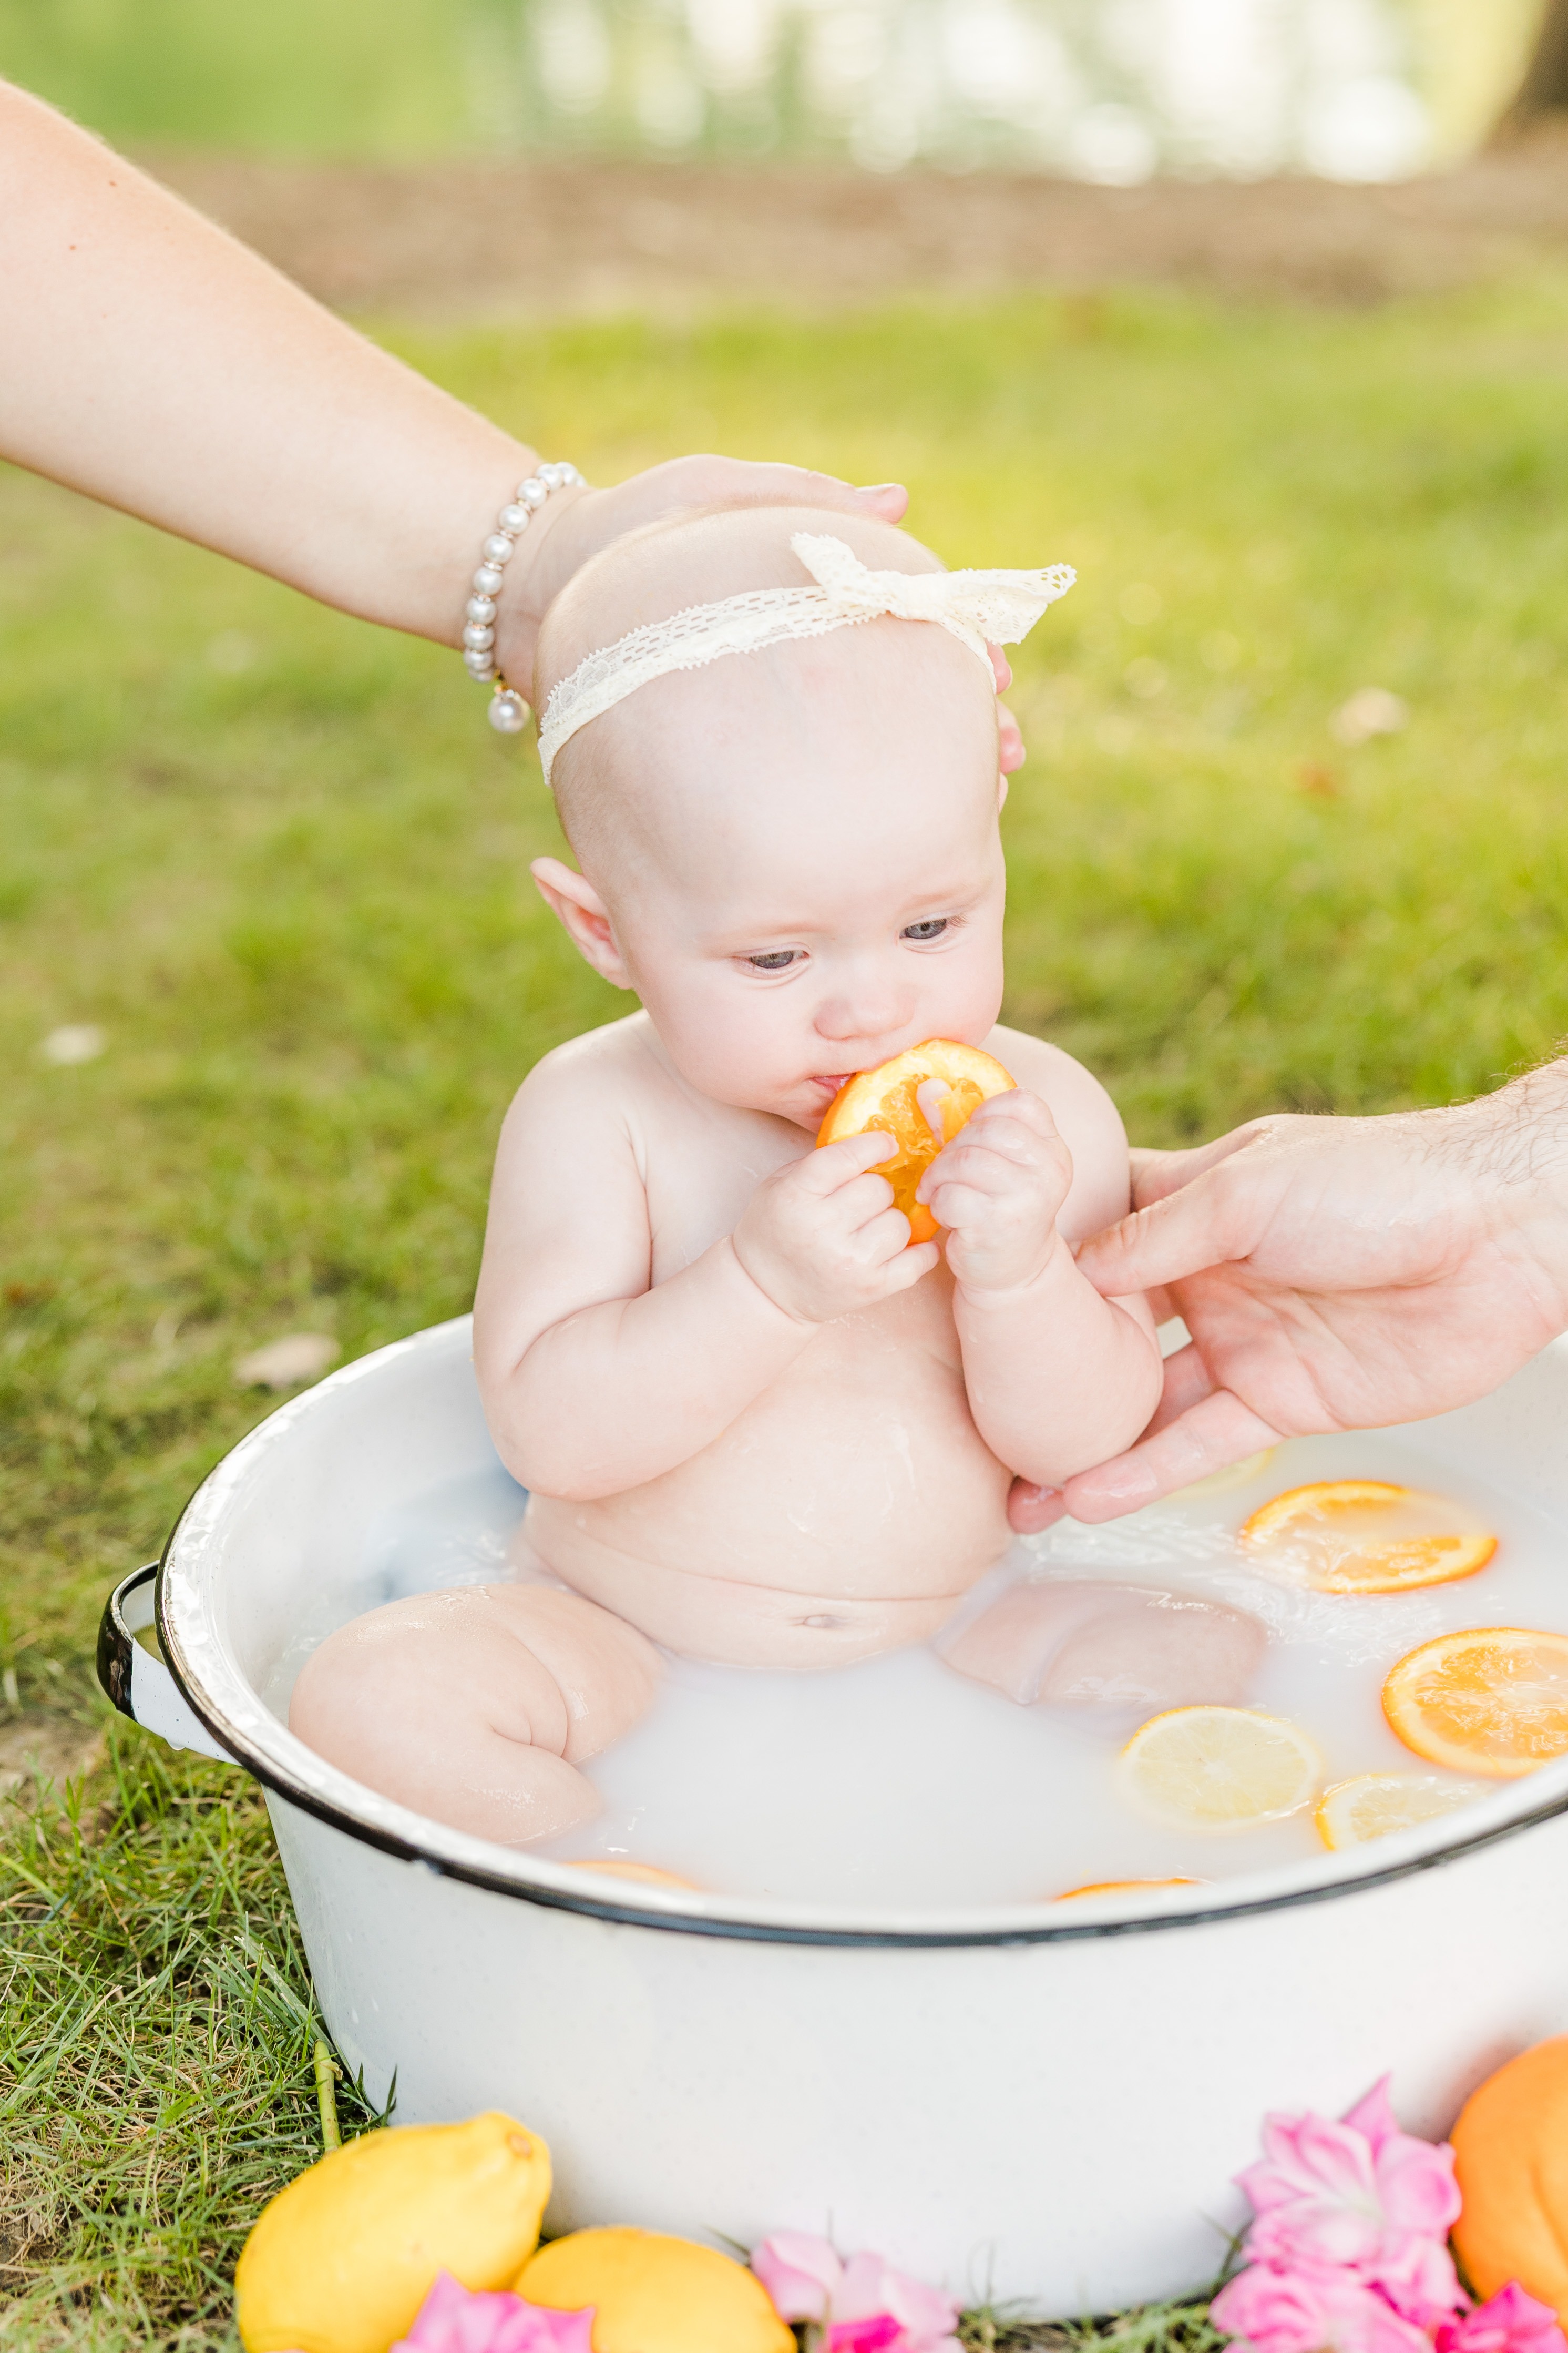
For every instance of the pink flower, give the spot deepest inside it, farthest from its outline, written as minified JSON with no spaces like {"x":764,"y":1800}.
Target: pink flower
{"x":1360,"y":2196}
{"x":862,"y":2306}
{"x":1508,"y":2322}
{"x":458,"y":2320}
{"x":1326,"y":2311}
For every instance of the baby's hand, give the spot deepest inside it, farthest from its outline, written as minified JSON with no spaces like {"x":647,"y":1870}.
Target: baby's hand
{"x":998,"y":1187}
{"x":822,"y":1237}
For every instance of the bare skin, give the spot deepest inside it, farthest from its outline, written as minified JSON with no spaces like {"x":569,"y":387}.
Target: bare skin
{"x":1337,"y":1274}
{"x":156,"y":364}
{"x":758,"y":1426}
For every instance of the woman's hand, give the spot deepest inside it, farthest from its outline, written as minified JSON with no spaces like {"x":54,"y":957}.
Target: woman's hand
{"x":576,"y":524}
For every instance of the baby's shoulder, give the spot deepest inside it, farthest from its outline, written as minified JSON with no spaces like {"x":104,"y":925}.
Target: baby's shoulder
{"x":599,"y":1072}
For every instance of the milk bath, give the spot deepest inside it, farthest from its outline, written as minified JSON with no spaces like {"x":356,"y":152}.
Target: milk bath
{"x":898,"y":1782}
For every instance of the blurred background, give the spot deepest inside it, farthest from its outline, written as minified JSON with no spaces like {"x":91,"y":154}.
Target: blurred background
{"x":1254,"y":311}
{"x":1102,"y":90}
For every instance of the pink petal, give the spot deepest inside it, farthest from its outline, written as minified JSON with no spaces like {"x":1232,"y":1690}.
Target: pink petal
{"x":1373,"y":2116}
{"x":1305,"y":2311}
{"x":879,"y":2333}
{"x":1509,"y":2322}
{"x":1415,"y":2184}
{"x":456,"y":2319}
{"x":799,"y":2271}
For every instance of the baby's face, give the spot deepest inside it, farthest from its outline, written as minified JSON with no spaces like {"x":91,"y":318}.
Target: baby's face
{"x":811,"y":876}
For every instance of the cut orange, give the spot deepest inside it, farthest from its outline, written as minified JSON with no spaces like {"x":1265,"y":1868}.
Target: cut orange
{"x":1220,"y":1769}
{"x":1342,"y":1563}
{"x":1125,"y":1887}
{"x":1489,"y":1699}
{"x":615,"y":1869}
{"x":1374,"y":1804}
{"x":941,"y":1083}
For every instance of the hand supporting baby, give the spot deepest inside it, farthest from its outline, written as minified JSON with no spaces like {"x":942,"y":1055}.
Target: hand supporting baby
{"x":821,"y":1237}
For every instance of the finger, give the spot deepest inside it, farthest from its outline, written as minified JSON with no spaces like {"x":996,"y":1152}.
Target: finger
{"x":883,"y":1234}
{"x":1032,"y":1508}
{"x":1157,"y":1175}
{"x":957,"y":1207}
{"x":1205,"y":1224}
{"x":890,"y":500}
{"x":916,"y":1259}
{"x":1001,"y":668}
{"x":980,"y":1173}
{"x":1188,"y":1383}
{"x":833,"y":1165}
{"x":1215,"y":1433}
{"x":1011,"y":754}
{"x":737,"y":481}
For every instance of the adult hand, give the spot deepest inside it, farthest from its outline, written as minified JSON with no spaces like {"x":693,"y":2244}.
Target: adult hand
{"x":1339,"y":1274}
{"x":570,"y":529}
{"x":574,"y":525}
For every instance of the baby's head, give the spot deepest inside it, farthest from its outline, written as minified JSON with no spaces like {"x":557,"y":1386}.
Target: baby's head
{"x":792,"y":854}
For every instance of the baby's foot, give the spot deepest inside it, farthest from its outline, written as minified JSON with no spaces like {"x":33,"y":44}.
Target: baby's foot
{"x":476,"y":1707}
{"x":1089,"y":1644}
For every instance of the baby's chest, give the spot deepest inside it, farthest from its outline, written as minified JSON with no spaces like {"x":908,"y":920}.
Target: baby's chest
{"x":701,"y":1185}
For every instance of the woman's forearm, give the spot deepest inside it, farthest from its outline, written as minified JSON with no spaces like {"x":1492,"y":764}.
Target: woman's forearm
{"x":156,"y":364}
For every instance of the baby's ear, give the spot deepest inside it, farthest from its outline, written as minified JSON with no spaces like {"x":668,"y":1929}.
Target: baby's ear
{"x":585,"y":917}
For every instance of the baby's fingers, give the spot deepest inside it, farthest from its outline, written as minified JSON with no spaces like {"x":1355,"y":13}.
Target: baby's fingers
{"x":832,"y":1164}
{"x":910,"y":1263}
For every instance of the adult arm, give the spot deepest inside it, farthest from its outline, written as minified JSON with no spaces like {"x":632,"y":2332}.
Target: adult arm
{"x":156,"y":364}
{"x":1340,"y":1274}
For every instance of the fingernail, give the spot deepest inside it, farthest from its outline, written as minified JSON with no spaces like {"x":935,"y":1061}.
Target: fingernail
{"x":877,"y":490}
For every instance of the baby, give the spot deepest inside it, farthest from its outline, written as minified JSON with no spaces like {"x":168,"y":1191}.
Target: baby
{"x":758,"y":1424}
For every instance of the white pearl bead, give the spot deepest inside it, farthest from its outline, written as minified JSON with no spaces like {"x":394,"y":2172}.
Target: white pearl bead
{"x":482,"y":608}
{"x":570,"y":475}
{"x":480,"y":661}
{"x":551,"y":477}
{"x":509,"y":714}
{"x":488,"y":578}
{"x":479,"y":637}
{"x":514,"y":519}
{"x":497,"y":549}
{"x":531,"y":493}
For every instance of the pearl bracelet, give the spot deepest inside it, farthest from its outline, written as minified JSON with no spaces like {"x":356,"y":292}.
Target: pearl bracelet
{"x":509,"y":711}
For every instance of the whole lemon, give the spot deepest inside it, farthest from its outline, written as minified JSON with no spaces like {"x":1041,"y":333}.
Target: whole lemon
{"x":341,"y":2260}
{"x":654,"y":2295}
{"x":1510,"y":2160}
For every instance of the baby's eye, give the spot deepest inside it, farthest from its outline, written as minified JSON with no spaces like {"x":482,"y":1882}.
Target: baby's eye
{"x":775,"y":960}
{"x":932,"y":928}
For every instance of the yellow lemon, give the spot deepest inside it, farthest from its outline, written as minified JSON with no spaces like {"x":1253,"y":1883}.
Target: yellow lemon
{"x":1220,"y":1769}
{"x":1374,"y":1804}
{"x":654,"y":2295}
{"x":341,"y":2260}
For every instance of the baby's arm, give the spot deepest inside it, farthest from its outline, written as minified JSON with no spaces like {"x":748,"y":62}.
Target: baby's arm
{"x":1055,"y":1373}
{"x":593,"y":1381}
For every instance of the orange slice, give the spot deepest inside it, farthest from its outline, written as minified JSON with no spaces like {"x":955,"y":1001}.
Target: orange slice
{"x":1220,"y":1769}
{"x":891,"y":1098}
{"x":1374,"y":1804}
{"x":1489,"y":1699}
{"x":1125,"y":1887}
{"x":1398,"y":1565}
{"x":614,"y":1869}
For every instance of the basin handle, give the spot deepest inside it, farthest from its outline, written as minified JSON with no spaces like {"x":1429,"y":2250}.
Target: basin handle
{"x":139,"y":1684}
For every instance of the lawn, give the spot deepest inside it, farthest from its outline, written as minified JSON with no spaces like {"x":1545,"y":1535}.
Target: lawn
{"x":281,"y":864}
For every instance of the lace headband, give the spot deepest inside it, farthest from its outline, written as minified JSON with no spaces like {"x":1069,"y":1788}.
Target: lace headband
{"x":976,"y":607}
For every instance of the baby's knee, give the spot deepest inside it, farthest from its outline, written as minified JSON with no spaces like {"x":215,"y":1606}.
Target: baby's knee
{"x":475,"y":1706}
{"x":1082,"y":1643}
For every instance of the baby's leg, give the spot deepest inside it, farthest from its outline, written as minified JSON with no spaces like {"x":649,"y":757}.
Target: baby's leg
{"x":476,"y":1707}
{"x":1081,"y":1642}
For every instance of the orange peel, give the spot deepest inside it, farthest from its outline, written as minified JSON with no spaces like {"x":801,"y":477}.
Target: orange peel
{"x":1400,"y":1565}
{"x":1486,"y":1699}
{"x":888,"y":1099}
{"x":614,"y":1867}
{"x":1125,"y":1887}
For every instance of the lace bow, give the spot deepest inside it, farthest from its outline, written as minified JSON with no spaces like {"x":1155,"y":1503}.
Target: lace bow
{"x":976,"y":607}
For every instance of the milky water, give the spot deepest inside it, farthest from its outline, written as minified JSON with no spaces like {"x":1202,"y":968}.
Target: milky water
{"x":898,"y":1782}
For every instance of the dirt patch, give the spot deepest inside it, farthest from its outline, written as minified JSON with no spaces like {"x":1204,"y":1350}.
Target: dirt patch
{"x":40,"y":1749}
{"x":495,"y":240}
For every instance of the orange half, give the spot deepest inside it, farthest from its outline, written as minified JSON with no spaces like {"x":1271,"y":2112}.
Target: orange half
{"x":1489,"y":1699}
{"x":1400,"y":1566}
{"x":889,"y":1098}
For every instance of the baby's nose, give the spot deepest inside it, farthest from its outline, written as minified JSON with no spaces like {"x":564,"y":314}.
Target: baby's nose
{"x":870,"y":1015}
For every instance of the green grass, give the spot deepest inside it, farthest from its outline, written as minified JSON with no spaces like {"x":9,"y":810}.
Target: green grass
{"x":282,"y":862}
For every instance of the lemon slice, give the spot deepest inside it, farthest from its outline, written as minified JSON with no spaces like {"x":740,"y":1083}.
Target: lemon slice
{"x":615,"y":1868}
{"x":1488,"y":1699}
{"x":1374,"y":1804}
{"x":1219,"y":1769}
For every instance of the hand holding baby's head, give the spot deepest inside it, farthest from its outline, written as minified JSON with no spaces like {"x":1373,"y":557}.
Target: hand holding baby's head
{"x":792,"y":853}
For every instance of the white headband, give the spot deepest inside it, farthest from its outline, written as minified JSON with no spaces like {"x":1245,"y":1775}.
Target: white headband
{"x":976,"y":607}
